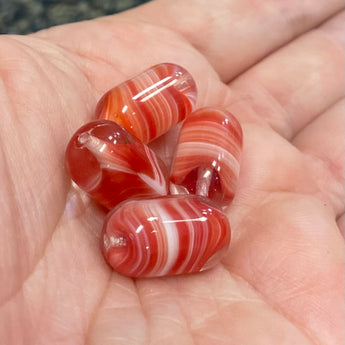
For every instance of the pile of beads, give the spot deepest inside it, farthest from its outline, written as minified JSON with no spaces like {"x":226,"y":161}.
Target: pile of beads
{"x":162,"y":222}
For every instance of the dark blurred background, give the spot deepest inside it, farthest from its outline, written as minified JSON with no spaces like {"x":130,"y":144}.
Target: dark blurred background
{"x":26,"y":16}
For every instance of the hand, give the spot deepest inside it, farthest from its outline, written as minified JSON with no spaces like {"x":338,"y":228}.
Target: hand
{"x":280,"y":70}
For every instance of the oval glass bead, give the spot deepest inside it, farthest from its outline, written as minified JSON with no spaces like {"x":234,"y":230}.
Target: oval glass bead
{"x":165,"y":236}
{"x":207,"y":156}
{"x":151,"y":103}
{"x":111,"y":165}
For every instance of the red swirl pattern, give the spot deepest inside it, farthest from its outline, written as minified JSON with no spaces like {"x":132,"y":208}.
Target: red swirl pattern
{"x":151,"y":103}
{"x":208,"y":153}
{"x":165,"y":236}
{"x":112,"y":166}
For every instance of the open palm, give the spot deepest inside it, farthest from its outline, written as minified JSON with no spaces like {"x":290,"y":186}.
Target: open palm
{"x":278,"y":66}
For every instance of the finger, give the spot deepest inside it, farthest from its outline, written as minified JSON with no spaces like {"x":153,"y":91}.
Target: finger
{"x":234,"y":35}
{"x":322,"y":143}
{"x":291,"y":87}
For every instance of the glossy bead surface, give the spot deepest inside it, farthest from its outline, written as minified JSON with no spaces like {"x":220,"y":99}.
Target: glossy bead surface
{"x":207,"y":157}
{"x":165,"y":236}
{"x":111,"y":165}
{"x":151,"y":103}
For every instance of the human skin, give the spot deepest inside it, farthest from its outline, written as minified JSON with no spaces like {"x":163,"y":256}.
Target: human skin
{"x":278,"y":66}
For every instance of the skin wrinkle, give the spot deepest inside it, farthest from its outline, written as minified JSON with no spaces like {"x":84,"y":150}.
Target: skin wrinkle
{"x":15,"y":206}
{"x":27,"y":330}
{"x":314,"y":195}
{"x":45,"y":299}
{"x":70,"y":56}
{"x":80,"y":215}
{"x":143,"y":310}
{"x":292,"y":139}
{"x":330,"y":167}
{"x":36,"y":60}
{"x":21,"y":226}
{"x":74,"y":67}
{"x":164,"y":338}
{"x":292,"y":321}
{"x":101,"y":306}
{"x":266,"y":301}
{"x":41,"y":64}
{"x":89,"y":56}
{"x":47,"y":276}
{"x":85,"y":71}
{"x":180,"y":309}
{"x":12,"y":110}
{"x":39,"y":259}
{"x":188,"y":327}
{"x":285,"y":129}
{"x":96,"y":310}
{"x":192,"y":328}
{"x":221,"y":308}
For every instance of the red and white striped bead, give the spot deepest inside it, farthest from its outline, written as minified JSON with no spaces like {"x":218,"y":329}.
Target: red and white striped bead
{"x":111,"y":165}
{"x":151,"y":103}
{"x":165,"y":236}
{"x":206,"y":160}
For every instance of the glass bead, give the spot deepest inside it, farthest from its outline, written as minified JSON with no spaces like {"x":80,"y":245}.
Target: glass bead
{"x":207,"y":157}
{"x":151,"y":103}
{"x":111,"y":165}
{"x":165,"y":236}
